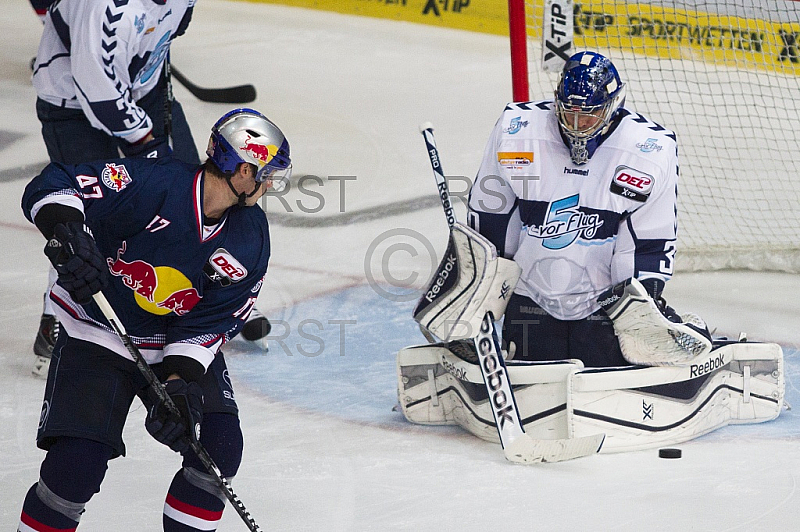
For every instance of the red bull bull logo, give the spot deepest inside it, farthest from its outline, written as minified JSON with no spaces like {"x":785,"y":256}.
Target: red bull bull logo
{"x":138,"y":275}
{"x":259,"y":151}
{"x":115,"y":176}
{"x":157,"y":289}
{"x":181,"y":301}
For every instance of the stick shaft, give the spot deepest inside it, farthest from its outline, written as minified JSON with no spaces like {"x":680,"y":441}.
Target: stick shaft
{"x":441,"y":181}
{"x":161,"y":393}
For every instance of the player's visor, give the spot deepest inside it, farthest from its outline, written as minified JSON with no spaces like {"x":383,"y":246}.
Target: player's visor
{"x":274,"y":179}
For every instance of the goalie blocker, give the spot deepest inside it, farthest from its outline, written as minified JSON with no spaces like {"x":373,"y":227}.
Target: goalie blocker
{"x":636,"y":407}
{"x":470,"y":281}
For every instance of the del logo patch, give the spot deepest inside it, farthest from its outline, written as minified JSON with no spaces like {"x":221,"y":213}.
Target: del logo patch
{"x":115,"y":176}
{"x":514,"y":159}
{"x":226,"y":265}
{"x":632,"y":184}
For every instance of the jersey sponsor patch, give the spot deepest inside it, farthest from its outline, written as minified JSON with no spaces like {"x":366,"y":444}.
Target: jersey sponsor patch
{"x":514,"y":159}
{"x":116,"y":177}
{"x":632,"y":184}
{"x":649,"y":145}
{"x":227,"y":266}
{"x":515,"y":125}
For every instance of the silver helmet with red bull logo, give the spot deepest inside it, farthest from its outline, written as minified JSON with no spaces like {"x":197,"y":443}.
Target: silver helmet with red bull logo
{"x":246,"y":136}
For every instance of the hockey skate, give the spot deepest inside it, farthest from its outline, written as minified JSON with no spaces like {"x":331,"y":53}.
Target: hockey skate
{"x":44,"y":343}
{"x":256,"y":327}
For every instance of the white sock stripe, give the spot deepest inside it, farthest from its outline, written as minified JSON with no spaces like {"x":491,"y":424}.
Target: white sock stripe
{"x":189,"y":520}
{"x":24,"y":528}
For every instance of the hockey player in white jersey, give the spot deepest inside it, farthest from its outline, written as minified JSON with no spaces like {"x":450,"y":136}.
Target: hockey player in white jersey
{"x":582,"y":193}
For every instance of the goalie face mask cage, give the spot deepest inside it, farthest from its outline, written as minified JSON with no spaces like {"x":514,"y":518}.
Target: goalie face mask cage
{"x":588,"y":96}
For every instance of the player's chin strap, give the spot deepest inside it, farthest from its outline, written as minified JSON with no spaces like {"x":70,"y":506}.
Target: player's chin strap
{"x":243,"y":196}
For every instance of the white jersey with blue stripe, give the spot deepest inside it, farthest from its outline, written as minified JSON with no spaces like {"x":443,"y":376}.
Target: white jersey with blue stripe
{"x":576,"y":230}
{"x":104,"y":55}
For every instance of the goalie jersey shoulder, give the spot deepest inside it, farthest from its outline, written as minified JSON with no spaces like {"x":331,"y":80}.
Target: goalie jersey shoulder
{"x":525,"y":119}
{"x":638,"y":134}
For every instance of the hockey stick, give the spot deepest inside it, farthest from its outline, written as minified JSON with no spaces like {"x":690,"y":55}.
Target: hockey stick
{"x":237,"y":94}
{"x":517,"y":446}
{"x":168,"y":99}
{"x":159,"y":390}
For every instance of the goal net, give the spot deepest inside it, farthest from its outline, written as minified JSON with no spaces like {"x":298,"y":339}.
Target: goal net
{"x":725,"y":76}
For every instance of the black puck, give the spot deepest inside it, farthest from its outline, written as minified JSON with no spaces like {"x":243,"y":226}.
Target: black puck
{"x":669,"y":453}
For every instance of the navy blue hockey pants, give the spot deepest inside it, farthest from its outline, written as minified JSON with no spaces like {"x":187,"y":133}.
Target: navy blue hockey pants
{"x":88,"y":396}
{"x":539,"y":336}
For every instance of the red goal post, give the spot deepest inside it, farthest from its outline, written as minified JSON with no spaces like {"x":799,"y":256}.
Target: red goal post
{"x":725,"y":79}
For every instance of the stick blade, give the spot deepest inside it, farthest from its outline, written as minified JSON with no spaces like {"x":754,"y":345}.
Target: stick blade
{"x":526,"y":450}
{"x":237,"y":94}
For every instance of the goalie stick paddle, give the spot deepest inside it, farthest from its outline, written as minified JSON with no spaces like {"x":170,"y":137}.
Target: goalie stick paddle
{"x":517,"y":446}
{"x":237,"y":94}
{"x":158,"y":388}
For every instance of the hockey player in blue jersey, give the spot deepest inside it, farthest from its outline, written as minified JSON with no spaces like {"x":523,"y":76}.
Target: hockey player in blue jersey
{"x":180,"y":253}
{"x":101,"y":85}
{"x":101,"y":89}
{"x":582,"y":193}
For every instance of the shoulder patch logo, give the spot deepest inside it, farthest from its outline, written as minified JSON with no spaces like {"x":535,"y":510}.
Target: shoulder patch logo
{"x":515,"y":125}
{"x":632,"y":184}
{"x":139,"y":22}
{"x":116,"y":177}
{"x":649,"y":145}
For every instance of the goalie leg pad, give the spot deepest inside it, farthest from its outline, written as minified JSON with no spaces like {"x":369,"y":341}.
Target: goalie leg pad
{"x":645,"y":407}
{"x":470,"y":281}
{"x":645,"y":335}
{"x":441,"y":384}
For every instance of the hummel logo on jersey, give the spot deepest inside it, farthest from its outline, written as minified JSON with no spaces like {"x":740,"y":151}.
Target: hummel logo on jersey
{"x":577,"y":171}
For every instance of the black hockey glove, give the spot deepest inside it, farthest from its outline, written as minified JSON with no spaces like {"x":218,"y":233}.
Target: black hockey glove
{"x":155,"y":149}
{"x":82,"y":270}
{"x":177,"y":432}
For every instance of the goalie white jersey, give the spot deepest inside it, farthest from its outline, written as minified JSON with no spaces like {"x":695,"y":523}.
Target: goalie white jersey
{"x":104,"y":55}
{"x":576,"y":230}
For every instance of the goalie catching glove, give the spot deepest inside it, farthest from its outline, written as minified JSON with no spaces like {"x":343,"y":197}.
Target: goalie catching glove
{"x":82,"y":270}
{"x":650,"y":333}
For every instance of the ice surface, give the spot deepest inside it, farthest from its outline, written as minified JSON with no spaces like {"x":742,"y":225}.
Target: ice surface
{"x":324,"y":450}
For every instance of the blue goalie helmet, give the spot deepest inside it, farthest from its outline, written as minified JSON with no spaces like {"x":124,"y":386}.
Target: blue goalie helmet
{"x":588,"y":97}
{"x":247,"y":136}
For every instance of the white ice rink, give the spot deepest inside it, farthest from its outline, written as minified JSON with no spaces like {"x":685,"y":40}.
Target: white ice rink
{"x":324,"y":450}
